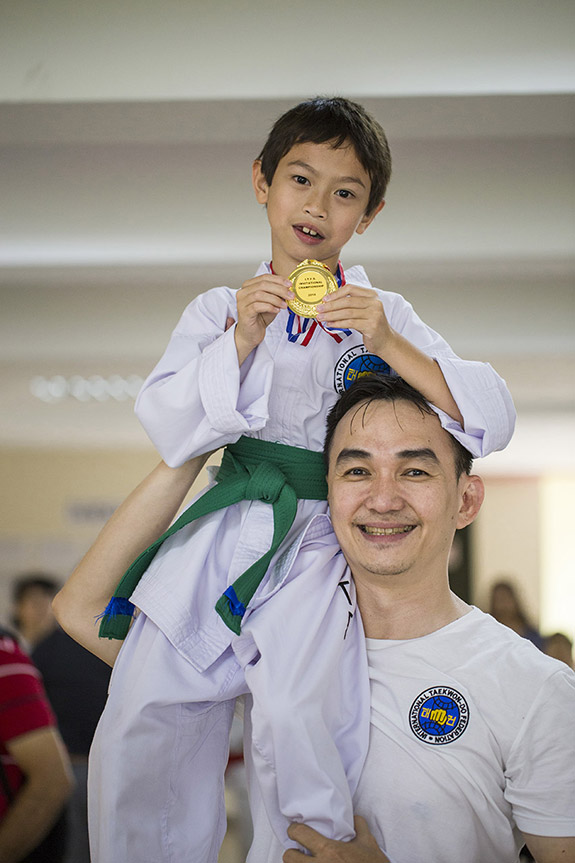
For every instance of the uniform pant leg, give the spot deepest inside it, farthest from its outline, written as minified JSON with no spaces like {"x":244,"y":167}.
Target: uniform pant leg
{"x":156,"y":777}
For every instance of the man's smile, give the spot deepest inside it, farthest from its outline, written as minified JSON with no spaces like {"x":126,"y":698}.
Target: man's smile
{"x":385,"y":531}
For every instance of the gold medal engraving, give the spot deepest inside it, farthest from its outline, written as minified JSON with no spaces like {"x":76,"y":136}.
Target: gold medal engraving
{"x":311,"y":281}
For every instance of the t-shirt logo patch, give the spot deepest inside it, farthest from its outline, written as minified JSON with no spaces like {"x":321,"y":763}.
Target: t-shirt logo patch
{"x":439,"y":715}
{"x":355,"y":364}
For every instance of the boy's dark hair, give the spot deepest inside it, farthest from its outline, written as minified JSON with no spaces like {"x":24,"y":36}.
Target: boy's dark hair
{"x":338,"y":121}
{"x":373,"y":388}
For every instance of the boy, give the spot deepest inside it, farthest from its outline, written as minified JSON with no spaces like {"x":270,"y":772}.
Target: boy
{"x":264,"y":385}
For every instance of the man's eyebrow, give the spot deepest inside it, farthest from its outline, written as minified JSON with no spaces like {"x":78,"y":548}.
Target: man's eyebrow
{"x":299,"y":163}
{"x":348,"y":454}
{"x":425,"y":454}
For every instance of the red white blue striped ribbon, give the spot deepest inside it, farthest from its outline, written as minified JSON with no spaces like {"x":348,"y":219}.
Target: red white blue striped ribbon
{"x":298,"y":327}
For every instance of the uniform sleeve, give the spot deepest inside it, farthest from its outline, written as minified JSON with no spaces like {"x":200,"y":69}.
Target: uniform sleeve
{"x":197,"y":398}
{"x":540,"y":774}
{"x":480,"y":393}
{"x":310,"y":691}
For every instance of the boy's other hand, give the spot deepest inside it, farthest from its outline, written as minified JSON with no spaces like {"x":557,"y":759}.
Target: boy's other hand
{"x":355,"y":308}
{"x":259,"y":300}
{"x":362,"y":849}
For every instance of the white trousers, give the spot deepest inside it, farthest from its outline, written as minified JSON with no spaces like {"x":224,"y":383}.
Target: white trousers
{"x":160,"y":751}
{"x":142,"y":812}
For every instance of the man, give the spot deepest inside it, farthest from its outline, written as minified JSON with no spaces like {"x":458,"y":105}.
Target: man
{"x":472,"y":751}
{"x":462,"y":772}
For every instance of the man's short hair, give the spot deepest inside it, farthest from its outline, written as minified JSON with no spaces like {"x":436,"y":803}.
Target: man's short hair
{"x":388,"y":388}
{"x":337,"y":121}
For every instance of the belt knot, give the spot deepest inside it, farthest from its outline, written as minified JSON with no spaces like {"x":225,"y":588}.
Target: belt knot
{"x":265,"y":483}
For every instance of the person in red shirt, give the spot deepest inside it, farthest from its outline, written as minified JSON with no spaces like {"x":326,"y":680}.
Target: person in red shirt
{"x":35,"y":773}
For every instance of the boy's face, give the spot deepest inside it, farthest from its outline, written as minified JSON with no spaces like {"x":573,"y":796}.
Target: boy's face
{"x":315,"y":203}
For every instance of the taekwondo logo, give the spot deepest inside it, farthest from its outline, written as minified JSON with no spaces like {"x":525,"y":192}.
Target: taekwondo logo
{"x":355,"y":364}
{"x":439,"y":715}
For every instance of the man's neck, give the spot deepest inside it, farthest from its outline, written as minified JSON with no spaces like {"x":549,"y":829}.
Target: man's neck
{"x":407,"y":611}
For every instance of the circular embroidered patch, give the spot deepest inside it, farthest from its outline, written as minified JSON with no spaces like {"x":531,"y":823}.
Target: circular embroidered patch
{"x":439,"y":715}
{"x":355,"y":364}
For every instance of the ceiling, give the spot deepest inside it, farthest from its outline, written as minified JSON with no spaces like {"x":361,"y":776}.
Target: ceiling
{"x":124,"y":195}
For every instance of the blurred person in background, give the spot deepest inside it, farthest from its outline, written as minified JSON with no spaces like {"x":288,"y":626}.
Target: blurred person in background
{"x":560,"y":646}
{"x":32,"y":614}
{"x":76,"y":683}
{"x":35,"y":772}
{"x":505,"y":606}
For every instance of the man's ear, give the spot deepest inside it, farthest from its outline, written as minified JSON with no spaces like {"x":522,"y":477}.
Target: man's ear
{"x":472,"y":494}
{"x":259,"y":183}
{"x":367,"y":220}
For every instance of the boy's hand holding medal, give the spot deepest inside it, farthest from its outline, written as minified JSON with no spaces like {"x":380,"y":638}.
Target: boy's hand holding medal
{"x":359,"y":309}
{"x":315,"y":294}
{"x":259,"y":300}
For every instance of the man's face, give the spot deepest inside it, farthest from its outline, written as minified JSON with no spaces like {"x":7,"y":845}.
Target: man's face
{"x":315,"y":203}
{"x":394,"y":498}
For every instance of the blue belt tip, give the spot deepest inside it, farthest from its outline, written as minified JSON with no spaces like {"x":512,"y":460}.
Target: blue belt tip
{"x":118,"y":606}
{"x":236,"y":607}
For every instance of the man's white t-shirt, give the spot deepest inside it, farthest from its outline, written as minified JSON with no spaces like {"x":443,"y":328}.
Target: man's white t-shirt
{"x":472,"y":740}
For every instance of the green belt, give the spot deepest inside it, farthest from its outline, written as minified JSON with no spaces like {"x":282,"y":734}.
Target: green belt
{"x":250,"y":470}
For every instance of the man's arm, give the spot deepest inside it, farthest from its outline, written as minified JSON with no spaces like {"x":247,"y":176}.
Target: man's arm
{"x":145,"y":514}
{"x":362,"y":849}
{"x":48,"y":783}
{"x":551,"y":849}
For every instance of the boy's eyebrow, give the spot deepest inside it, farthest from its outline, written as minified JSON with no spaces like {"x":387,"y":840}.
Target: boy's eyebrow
{"x":299,"y":163}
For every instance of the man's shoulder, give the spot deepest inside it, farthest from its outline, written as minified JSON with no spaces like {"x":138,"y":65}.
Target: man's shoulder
{"x":516,"y":659}
{"x":501,"y":675}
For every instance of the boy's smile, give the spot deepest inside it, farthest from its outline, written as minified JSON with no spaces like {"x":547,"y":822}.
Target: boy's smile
{"x":315,"y":203}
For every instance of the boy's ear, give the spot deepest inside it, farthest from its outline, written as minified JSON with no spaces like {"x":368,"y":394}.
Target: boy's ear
{"x":368,"y":219}
{"x":259,"y":183}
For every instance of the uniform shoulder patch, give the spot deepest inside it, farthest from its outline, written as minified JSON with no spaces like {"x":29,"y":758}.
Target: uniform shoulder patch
{"x":439,"y":715}
{"x":355,"y":364}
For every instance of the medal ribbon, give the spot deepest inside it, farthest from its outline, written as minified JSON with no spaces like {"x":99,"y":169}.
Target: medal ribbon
{"x":298,"y":327}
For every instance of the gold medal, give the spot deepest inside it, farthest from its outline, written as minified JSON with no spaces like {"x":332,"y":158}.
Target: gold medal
{"x":311,"y":281}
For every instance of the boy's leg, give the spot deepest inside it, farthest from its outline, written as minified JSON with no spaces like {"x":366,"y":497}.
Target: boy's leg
{"x":156,"y":779}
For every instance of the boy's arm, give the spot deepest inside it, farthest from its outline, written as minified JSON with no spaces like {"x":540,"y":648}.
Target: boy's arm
{"x":197,"y":398}
{"x":259,"y":300}
{"x":361,"y":309}
{"x":145,"y":514}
